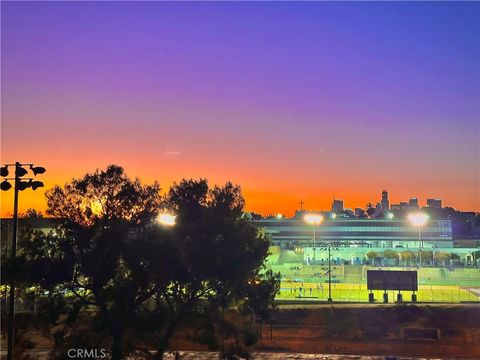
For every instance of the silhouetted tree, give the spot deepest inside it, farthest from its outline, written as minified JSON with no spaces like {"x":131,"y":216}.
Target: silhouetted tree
{"x":25,"y":271}
{"x":104,"y":215}
{"x":370,"y":210}
{"x":144,"y":279}
{"x":214,"y":254}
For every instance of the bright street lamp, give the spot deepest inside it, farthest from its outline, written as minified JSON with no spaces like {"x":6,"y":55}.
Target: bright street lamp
{"x":313,"y":219}
{"x":419,"y":219}
{"x":166,"y":219}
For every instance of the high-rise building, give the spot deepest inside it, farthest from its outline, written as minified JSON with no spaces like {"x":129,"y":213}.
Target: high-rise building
{"x":385,"y":203}
{"x":413,"y":204}
{"x":337,"y":206}
{"x":403,"y":205}
{"x":378,"y":210}
{"x":434,"y":203}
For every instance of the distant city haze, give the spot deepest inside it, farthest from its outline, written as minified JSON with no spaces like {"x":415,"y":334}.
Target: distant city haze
{"x":292,"y":101}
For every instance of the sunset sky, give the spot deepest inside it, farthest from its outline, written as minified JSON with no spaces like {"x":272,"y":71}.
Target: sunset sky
{"x":293,"y":101}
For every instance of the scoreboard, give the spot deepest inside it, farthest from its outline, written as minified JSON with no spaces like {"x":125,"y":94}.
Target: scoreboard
{"x":392,"y":280}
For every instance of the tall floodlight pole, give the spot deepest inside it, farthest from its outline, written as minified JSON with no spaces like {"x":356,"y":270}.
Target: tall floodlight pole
{"x":11,"y":299}
{"x":315,"y":220}
{"x":19,"y":185}
{"x":419,"y":220}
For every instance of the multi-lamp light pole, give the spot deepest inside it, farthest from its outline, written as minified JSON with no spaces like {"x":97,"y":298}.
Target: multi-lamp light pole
{"x":20,"y":184}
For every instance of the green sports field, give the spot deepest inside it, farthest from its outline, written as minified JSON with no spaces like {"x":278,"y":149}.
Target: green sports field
{"x":359,"y":293}
{"x":349,"y":282}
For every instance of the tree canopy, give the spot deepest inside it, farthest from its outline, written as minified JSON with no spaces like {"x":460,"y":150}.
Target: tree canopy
{"x":218,"y":256}
{"x":142,"y":279}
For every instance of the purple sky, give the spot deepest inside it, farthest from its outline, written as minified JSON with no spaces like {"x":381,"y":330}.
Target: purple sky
{"x":290,"y":100}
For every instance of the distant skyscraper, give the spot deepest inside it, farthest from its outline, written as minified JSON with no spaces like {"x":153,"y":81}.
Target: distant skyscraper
{"x":434,"y":203}
{"x":378,"y":210}
{"x":385,"y":203}
{"x":337,"y":206}
{"x":413,"y":204}
{"x":403,"y":205}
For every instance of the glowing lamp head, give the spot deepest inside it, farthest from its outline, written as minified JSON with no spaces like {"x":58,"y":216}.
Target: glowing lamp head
{"x":279,"y":216}
{"x":390,"y":215}
{"x":313,"y":219}
{"x":166,"y":219}
{"x":418,"y":219}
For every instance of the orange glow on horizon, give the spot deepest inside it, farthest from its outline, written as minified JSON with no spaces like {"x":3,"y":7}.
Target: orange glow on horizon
{"x":263,"y":195}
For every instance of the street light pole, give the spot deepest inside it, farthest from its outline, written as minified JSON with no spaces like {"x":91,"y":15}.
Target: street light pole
{"x":419,"y":219}
{"x":314,"y":219}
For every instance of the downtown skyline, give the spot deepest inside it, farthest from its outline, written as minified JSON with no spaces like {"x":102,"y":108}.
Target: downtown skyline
{"x":292,"y":101}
